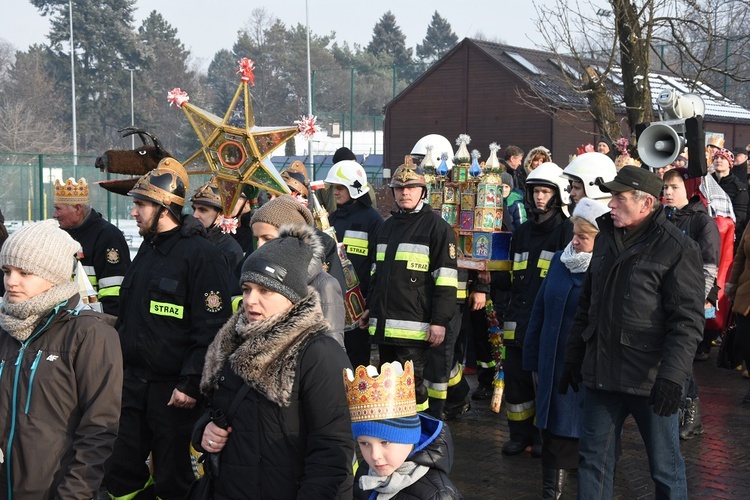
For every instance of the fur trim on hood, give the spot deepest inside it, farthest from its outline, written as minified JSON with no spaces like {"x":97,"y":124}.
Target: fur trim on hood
{"x":265,"y":353}
{"x":307,"y":235}
{"x":532,"y":153}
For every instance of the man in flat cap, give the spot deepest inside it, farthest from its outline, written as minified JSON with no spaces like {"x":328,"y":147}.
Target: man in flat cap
{"x":638,"y":323}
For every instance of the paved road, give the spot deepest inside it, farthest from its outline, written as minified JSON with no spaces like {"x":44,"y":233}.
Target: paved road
{"x":718,"y":462}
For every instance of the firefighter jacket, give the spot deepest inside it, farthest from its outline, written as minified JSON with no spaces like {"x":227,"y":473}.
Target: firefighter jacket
{"x":532,"y":248}
{"x":106,"y":257}
{"x":357,"y":227}
{"x":174,"y":299}
{"x":415,"y":278}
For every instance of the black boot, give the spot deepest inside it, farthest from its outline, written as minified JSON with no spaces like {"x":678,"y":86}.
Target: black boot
{"x":553,"y":483}
{"x":691,"y":424}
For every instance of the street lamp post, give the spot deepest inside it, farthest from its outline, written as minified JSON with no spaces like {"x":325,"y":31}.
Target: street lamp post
{"x":311,"y":159}
{"x":73,"y":84}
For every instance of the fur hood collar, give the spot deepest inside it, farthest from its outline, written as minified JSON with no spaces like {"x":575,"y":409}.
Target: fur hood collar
{"x":265,"y":353}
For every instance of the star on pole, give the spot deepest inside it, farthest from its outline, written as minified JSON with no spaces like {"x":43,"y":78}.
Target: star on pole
{"x":234,"y":150}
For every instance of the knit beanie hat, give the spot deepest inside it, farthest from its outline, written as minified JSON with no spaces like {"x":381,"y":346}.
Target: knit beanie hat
{"x":383,"y":405}
{"x":285,"y":209}
{"x":43,"y":249}
{"x":589,"y":210}
{"x":726,"y":154}
{"x":280,"y":265}
{"x":342,"y":154}
{"x":507,"y":179}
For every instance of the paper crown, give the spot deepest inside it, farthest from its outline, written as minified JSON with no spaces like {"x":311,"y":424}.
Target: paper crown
{"x":71,"y":193}
{"x":377,"y":397}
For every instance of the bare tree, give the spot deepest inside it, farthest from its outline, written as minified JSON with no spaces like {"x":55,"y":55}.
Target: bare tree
{"x":624,"y":39}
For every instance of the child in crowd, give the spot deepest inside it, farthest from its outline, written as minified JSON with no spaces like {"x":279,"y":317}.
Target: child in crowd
{"x":407,"y":455}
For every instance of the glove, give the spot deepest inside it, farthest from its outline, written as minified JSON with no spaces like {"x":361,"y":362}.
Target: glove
{"x":571,"y":376}
{"x":665,"y":396}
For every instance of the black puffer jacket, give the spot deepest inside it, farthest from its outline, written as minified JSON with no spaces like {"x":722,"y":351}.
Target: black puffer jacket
{"x":434,"y":450}
{"x":640,"y":314}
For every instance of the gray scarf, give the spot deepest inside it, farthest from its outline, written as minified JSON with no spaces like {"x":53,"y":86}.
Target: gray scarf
{"x":575,"y":262}
{"x":20,"y":319}
{"x":388,"y":486}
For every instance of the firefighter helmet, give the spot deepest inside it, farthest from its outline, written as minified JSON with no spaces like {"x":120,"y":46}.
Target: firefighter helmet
{"x":408,"y":175}
{"x":350,"y":174}
{"x":587,"y":168}
{"x":550,"y":175}
{"x":439,"y":145}
{"x":166,"y":185}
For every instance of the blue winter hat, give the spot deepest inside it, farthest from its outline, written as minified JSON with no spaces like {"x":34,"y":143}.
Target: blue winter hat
{"x":383,"y":405}
{"x":405,"y":430}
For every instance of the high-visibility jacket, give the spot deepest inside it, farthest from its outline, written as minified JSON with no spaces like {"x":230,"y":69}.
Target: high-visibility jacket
{"x":106,"y":258}
{"x":415,"y":279}
{"x":532,"y":248}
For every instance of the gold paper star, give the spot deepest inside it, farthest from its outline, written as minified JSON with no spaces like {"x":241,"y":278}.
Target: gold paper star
{"x":234,"y":150}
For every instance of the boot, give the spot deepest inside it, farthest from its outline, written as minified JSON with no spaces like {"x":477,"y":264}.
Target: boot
{"x":691,"y":422}
{"x":553,"y":483}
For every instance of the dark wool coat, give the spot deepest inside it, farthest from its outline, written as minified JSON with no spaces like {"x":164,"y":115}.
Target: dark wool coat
{"x":434,"y":450}
{"x":640,"y":315}
{"x":544,"y":349}
{"x":303,"y":449}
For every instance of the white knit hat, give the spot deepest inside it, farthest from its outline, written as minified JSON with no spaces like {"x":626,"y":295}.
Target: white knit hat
{"x":43,"y":249}
{"x":589,"y":210}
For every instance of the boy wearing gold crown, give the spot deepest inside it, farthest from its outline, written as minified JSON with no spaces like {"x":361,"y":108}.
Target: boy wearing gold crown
{"x":408,"y":455}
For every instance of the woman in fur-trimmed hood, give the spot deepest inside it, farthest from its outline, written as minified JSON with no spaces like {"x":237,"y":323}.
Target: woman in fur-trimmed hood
{"x":536,"y":157}
{"x":291,"y":429}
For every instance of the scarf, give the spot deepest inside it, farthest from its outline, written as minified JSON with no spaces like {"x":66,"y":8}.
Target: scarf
{"x":20,"y":319}
{"x":264,"y":353}
{"x":576,"y":262}
{"x":388,"y":486}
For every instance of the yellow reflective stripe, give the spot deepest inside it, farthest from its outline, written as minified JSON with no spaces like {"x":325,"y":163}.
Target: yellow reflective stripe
{"x":417,"y":257}
{"x":445,"y":276}
{"x":509,"y":330}
{"x":92,"y":280}
{"x":423,"y":406}
{"x":236,"y":301}
{"x":520,"y":261}
{"x":131,"y":496}
{"x":166,"y":309}
{"x":380,"y":252}
{"x":521,"y":411}
{"x":404,"y":329}
{"x":110,"y":291}
{"x":356,"y":242}
{"x":483,"y":364}
{"x":456,"y":375}
{"x":437,"y":394}
{"x":461,"y":294}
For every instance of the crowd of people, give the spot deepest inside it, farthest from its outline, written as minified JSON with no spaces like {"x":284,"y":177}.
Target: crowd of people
{"x":233,"y":354}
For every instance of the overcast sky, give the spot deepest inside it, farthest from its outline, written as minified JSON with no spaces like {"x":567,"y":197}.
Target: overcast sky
{"x":204,"y":31}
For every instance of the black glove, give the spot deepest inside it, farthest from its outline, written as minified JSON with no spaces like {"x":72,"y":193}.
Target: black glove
{"x":665,"y":396}
{"x":571,"y":376}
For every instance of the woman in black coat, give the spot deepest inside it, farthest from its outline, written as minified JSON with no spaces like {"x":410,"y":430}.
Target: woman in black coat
{"x":290,"y":435}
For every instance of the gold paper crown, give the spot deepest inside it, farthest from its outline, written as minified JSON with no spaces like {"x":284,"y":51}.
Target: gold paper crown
{"x":377,"y":397}
{"x":71,"y":193}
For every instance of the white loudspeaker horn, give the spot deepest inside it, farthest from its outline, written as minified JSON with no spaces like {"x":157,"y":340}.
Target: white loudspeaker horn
{"x":659,"y":145}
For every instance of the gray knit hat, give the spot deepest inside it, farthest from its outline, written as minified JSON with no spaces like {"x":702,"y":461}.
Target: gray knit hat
{"x":506,"y":178}
{"x":43,"y":249}
{"x":285,"y":209}
{"x":280,"y":265}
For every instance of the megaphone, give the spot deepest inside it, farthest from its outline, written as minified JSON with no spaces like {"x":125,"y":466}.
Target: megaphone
{"x":661,"y":143}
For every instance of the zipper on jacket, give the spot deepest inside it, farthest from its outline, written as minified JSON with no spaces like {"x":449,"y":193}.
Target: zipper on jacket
{"x":14,"y":404}
{"x":34,"y":366}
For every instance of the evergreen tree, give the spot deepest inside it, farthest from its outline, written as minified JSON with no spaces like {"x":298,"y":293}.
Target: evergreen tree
{"x":165,"y":67}
{"x":440,"y":39}
{"x":388,"y":39}
{"x":105,"y":47}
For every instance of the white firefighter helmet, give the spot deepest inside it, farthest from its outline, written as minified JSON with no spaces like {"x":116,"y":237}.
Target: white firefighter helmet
{"x":349,"y":173}
{"x":550,"y":175}
{"x":587,"y":168}
{"x":439,"y":145}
